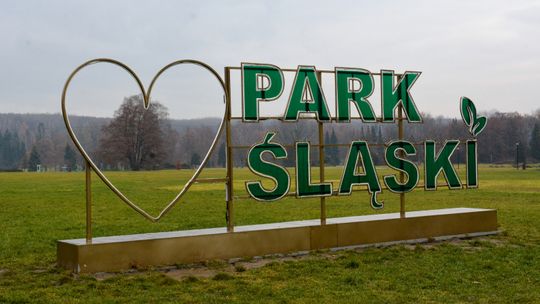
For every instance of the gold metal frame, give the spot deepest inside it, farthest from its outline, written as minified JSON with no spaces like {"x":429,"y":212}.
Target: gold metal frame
{"x":146,"y":98}
{"x":225,"y":124}
{"x":124,"y":252}
{"x":321,"y":146}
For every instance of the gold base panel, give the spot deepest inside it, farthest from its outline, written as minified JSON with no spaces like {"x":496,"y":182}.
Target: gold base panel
{"x":117,"y":253}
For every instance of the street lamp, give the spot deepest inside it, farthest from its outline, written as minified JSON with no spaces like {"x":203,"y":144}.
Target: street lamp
{"x":517,"y":155}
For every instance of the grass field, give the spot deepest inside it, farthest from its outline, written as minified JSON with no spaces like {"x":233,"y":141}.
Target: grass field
{"x":36,"y":209}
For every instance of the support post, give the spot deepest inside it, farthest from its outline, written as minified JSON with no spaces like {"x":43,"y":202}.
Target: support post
{"x":401,"y":154}
{"x":229,"y":186}
{"x":88,"y":175}
{"x":321,"y":160}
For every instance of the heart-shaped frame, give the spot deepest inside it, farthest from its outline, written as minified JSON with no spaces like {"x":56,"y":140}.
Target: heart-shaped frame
{"x":146,"y":99}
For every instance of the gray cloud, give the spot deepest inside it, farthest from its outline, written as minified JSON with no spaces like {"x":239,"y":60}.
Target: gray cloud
{"x":487,"y":50}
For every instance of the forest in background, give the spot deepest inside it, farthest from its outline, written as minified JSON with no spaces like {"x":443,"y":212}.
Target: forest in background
{"x":27,"y":140}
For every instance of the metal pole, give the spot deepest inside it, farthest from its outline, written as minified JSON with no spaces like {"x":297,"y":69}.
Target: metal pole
{"x":321,"y":160}
{"x":401,"y":154}
{"x":88,"y":171}
{"x":229,"y":186}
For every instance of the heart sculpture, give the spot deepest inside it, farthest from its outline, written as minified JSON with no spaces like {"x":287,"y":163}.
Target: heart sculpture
{"x":146,"y":99}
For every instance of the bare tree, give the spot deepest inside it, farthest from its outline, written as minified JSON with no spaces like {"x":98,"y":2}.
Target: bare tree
{"x":135,"y":136}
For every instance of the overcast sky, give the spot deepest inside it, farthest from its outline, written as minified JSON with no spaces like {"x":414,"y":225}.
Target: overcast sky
{"x":486,"y":50}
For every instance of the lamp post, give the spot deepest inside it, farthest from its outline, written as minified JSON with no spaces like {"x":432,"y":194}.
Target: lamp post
{"x":517,"y":155}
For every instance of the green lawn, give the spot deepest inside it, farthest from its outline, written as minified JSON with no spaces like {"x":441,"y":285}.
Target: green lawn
{"x":36,"y":209}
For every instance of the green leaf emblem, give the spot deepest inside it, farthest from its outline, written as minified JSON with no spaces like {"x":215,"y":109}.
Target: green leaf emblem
{"x":475,"y":123}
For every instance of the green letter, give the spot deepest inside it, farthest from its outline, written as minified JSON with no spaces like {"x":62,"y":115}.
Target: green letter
{"x":392,"y":96}
{"x":353,"y":85}
{"x":260,"y":82}
{"x":351,"y":178}
{"x":304,"y":187}
{"x":433,"y":165}
{"x":472,"y":164}
{"x":278,"y":174}
{"x":306,"y":96}
{"x":395,"y":162}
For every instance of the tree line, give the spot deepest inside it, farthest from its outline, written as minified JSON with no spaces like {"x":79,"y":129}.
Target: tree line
{"x":146,"y":139}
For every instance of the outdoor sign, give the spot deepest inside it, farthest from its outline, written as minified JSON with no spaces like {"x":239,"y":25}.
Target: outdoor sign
{"x":354,"y":88}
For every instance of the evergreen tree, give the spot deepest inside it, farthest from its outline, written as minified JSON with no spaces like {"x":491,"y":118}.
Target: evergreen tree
{"x":34,"y":159}
{"x":3,"y":149}
{"x":7,"y":153}
{"x":70,"y":157}
{"x":222,"y":156}
{"x":535,"y":141}
{"x":334,"y":152}
{"x":327,"y":152}
{"x":40,"y":131}
{"x":195,"y":159}
{"x":18,"y":150}
{"x":12,"y":150}
{"x":373,"y":135}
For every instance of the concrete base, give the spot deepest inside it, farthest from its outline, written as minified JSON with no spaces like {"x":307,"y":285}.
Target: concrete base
{"x":118,"y":253}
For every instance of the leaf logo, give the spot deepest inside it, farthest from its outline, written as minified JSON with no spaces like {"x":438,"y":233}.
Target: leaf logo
{"x":476,"y":124}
